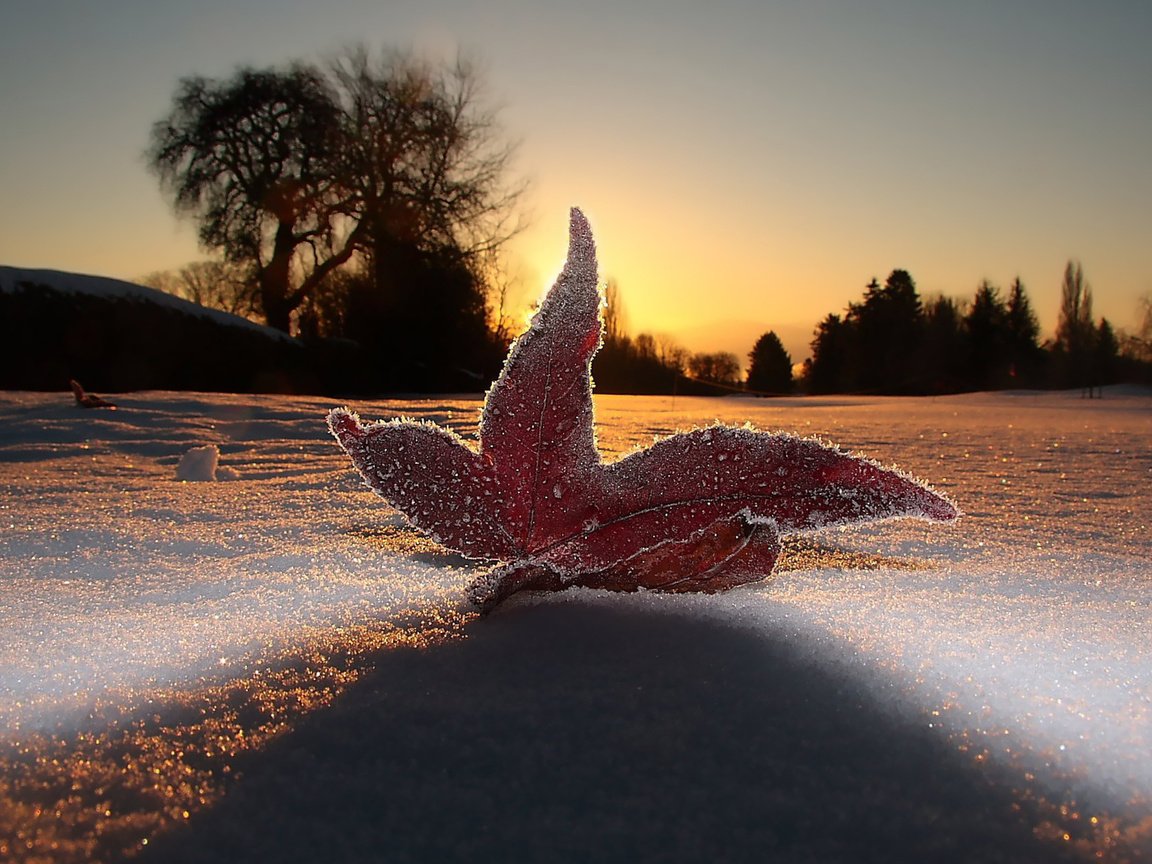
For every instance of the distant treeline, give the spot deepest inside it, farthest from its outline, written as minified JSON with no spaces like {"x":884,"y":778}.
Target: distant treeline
{"x":646,"y":365}
{"x":893,"y":341}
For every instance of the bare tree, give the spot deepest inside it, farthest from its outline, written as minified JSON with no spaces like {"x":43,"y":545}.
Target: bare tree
{"x":1075,"y":330}
{"x":1139,"y":345}
{"x":295,"y":170}
{"x":501,"y":282}
{"x":252,"y":159}
{"x":219,"y":284}
{"x":720,"y":367}
{"x":671,"y":354}
{"x":614,"y":318}
{"x":423,"y":160}
{"x":645,"y":344}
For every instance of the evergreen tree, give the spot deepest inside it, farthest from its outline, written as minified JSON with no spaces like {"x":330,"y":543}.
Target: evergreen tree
{"x":942,"y":348}
{"x":888,"y":329}
{"x":1105,"y":353}
{"x":770,"y":366}
{"x":986,"y":332}
{"x":828,"y":370}
{"x":1022,"y":330}
{"x":431,"y":336}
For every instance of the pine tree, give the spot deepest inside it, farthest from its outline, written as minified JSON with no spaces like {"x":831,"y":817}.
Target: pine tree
{"x":888,"y":329}
{"x":986,"y":331}
{"x":1105,"y":351}
{"x":942,"y":349}
{"x":1023,"y":331}
{"x":828,"y":371}
{"x":770,"y":366}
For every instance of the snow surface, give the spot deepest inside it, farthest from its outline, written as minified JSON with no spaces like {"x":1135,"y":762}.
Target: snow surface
{"x":202,"y":464}
{"x":1018,"y":637}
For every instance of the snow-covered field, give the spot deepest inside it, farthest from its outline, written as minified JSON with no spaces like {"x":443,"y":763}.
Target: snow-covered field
{"x":271,"y":666}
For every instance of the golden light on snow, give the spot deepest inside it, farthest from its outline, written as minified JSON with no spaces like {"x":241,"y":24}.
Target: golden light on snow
{"x":123,"y":776}
{"x":158,"y":634}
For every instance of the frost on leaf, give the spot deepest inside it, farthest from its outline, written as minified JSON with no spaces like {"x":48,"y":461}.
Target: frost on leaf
{"x":699,"y":511}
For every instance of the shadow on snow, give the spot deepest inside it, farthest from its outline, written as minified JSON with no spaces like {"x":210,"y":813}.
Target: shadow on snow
{"x":571,"y":731}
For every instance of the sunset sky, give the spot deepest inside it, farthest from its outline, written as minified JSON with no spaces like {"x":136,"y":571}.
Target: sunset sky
{"x":745,"y":165}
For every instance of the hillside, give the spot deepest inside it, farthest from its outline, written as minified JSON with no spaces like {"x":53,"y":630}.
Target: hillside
{"x":114,"y":335}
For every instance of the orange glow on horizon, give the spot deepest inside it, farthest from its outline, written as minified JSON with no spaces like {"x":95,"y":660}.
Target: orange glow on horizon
{"x":697,"y":291}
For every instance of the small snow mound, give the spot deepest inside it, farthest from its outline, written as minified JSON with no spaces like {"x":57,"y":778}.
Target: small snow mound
{"x":203,"y":464}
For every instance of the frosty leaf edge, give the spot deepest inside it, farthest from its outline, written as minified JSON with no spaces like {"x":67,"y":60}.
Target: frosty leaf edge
{"x":535,"y":492}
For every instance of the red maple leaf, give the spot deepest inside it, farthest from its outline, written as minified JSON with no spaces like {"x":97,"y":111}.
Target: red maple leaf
{"x":699,"y":511}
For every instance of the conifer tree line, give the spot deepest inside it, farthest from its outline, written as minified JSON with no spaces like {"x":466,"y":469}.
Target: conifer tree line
{"x":894,"y":341}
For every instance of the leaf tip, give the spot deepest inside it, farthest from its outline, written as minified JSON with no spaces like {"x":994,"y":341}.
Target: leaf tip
{"x":581,"y":245}
{"x":943,"y":509}
{"x":577,"y":221}
{"x":344,"y":425}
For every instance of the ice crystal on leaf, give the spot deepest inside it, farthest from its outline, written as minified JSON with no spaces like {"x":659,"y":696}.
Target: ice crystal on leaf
{"x":699,"y":511}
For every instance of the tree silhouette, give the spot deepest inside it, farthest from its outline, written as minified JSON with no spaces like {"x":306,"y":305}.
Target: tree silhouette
{"x":832,"y":346}
{"x":770,"y":366}
{"x":295,"y":171}
{"x":1138,"y":345}
{"x":1023,"y":330}
{"x":215,"y":284}
{"x":942,"y":353}
{"x":892,"y":342}
{"x":424,"y":167}
{"x":986,"y":332}
{"x":718,"y":367}
{"x":1105,"y":352}
{"x":1075,"y":330}
{"x":887,"y":336}
{"x":626,"y":365}
{"x":431,"y":336}
{"x":253,"y":159}
{"x":614,"y":317}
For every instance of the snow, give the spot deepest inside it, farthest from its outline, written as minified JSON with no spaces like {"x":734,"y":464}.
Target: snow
{"x":203,"y":464}
{"x":956,"y":692}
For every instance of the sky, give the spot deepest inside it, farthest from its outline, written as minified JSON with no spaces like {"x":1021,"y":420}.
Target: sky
{"x":745,"y":165}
